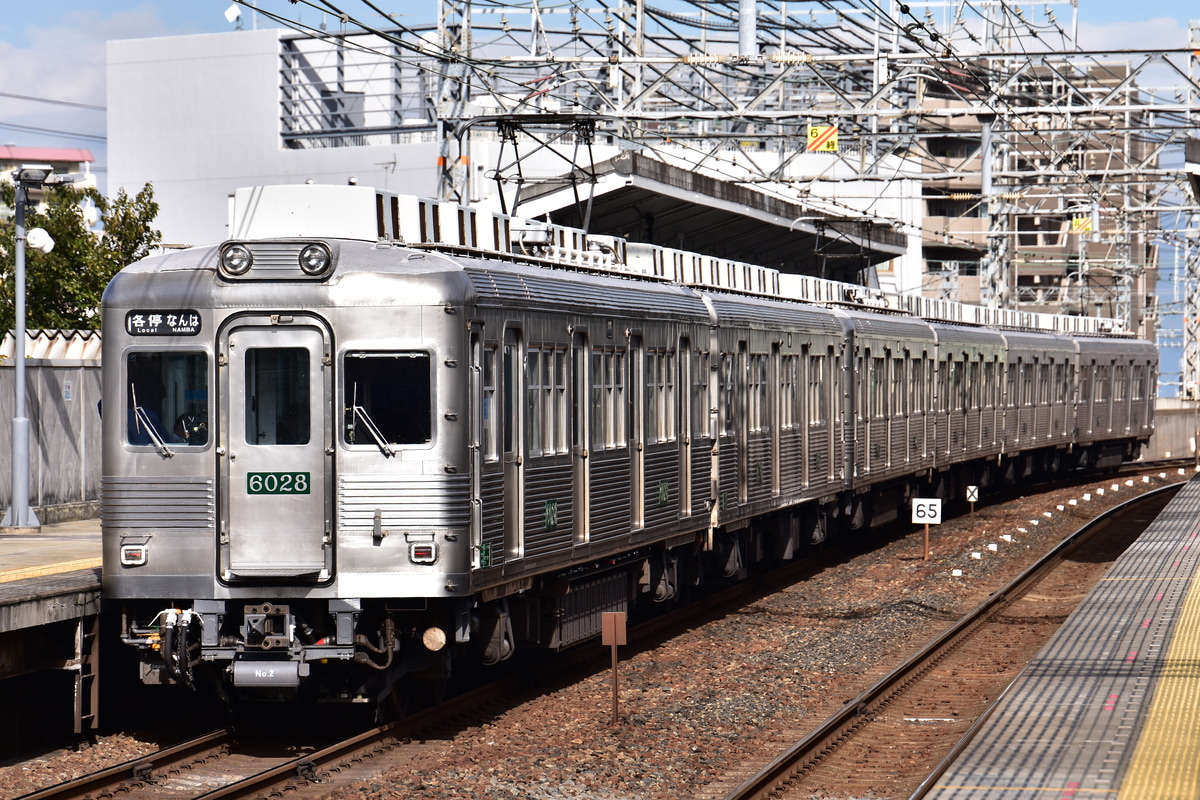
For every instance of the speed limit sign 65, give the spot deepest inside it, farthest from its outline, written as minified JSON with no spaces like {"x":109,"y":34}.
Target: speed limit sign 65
{"x":927,"y":512}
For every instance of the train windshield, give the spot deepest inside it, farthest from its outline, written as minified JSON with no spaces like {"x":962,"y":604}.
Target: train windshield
{"x":387,"y":398}
{"x":167,"y":399}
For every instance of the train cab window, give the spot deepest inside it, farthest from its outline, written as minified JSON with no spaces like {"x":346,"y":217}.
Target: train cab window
{"x":387,"y":397}
{"x":167,"y":399}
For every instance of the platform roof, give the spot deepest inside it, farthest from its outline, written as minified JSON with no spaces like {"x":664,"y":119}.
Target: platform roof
{"x":646,"y":200}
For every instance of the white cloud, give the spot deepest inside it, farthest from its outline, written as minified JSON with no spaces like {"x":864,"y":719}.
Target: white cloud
{"x":1158,"y":32}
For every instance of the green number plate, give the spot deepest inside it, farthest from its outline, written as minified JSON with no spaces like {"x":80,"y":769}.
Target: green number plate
{"x":278,"y":483}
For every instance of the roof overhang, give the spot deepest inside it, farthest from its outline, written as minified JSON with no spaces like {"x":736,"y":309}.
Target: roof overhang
{"x":647,"y":200}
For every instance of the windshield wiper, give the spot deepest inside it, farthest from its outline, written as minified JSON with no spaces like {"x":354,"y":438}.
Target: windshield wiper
{"x":361,"y":415}
{"x":142,"y":417}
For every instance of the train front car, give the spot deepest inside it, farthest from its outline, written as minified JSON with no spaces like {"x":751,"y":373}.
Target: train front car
{"x":286,"y":503}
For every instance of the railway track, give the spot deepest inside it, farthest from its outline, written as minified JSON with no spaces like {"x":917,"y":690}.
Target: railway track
{"x":893,"y":739}
{"x":220,"y":765}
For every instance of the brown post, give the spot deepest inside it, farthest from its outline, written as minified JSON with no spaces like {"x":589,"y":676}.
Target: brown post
{"x":612,"y":633}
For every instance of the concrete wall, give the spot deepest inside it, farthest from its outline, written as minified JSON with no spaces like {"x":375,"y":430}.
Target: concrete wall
{"x":64,"y":437}
{"x":1176,"y":429}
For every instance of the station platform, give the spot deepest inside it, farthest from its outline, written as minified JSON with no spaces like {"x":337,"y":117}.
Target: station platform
{"x":49,"y":575}
{"x":1111,"y":705}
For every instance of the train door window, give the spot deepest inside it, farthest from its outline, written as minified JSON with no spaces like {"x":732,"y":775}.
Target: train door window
{"x":916,"y":390}
{"x":1101,"y":387}
{"x":728,"y":426}
{"x":277,"y":409}
{"x":669,"y":425}
{"x":1026,"y":384}
{"x":1139,"y":382}
{"x":1044,"y":384}
{"x":1010,"y":381}
{"x":899,"y":390}
{"x":700,"y":404}
{"x":167,"y":397}
{"x":1084,"y":392}
{"x":387,"y":397}
{"x":973,"y":385}
{"x":1119,"y":384}
{"x":491,"y":431}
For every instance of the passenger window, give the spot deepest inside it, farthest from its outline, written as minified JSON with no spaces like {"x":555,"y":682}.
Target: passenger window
{"x":387,"y":397}
{"x":167,"y":399}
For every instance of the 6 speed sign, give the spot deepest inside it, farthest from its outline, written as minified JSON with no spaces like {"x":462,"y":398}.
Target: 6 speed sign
{"x":927,"y":512}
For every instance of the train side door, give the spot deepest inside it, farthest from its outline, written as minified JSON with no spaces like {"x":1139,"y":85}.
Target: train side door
{"x":683,"y":400}
{"x":637,"y":431}
{"x":581,"y":434}
{"x":278,"y":455}
{"x":513,"y":395}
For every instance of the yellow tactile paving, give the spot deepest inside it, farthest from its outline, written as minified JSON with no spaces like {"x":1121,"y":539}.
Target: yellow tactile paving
{"x":8,"y":576}
{"x":1166,"y":761}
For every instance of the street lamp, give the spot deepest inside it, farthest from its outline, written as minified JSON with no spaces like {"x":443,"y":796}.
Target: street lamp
{"x":19,"y":514}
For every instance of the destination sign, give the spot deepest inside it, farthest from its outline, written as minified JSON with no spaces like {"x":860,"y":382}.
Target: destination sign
{"x":163,"y":322}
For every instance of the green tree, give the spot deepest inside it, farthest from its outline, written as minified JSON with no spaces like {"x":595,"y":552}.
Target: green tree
{"x":63,"y":287}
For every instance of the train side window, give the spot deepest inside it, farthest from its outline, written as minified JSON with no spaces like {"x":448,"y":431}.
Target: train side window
{"x":167,"y":398}
{"x":545,"y":379}
{"x":787,"y":392}
{"x":817,"y":409}
{"x":1101,"y":386}
{"x":389,"y":394}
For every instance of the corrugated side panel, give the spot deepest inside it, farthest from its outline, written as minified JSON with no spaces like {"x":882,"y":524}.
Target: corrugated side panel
{"x":701,"y":479}
{"x":408,"y":501}
{"x":491,"y":488}
{"x":818,"y":458}
{"x":549,"y":508}
{"x":662,"y":487}
{"x":159,"y":502}
{"x":791,"y":455}
{"x":972,"y":432}
{"x":758,"y":480}
{"x":728,"y":481}
{"x":610,"y":496}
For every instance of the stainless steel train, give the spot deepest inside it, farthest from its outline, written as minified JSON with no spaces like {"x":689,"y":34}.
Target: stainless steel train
{"x":370,"y":435}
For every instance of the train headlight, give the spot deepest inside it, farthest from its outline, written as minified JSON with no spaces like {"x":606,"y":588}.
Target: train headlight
{"x":314,"y":259}
{"x":236,"y":259}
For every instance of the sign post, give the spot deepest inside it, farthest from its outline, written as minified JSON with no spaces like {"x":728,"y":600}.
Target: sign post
{"x":972,"y":497}
{"x":612,"y":634}
{"x":927,"y":512}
